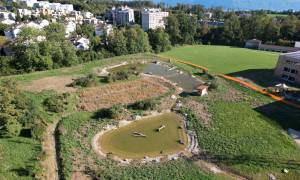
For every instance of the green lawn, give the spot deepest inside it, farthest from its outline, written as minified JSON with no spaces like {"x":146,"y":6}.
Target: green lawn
{"x":225,"y":59}
{"x":18,"y":157}
{"x":122,"y":143}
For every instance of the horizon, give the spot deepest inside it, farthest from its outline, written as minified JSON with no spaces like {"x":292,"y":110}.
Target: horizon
{"x":245,"y":5}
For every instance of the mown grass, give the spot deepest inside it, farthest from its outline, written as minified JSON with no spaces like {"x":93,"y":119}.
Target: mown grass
{"x":224,"y":59}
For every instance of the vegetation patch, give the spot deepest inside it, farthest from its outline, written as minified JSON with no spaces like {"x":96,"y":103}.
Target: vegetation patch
{"x":121,"y":93}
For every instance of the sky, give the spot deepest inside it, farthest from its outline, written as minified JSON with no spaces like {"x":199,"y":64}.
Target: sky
{"x":276,"y":5}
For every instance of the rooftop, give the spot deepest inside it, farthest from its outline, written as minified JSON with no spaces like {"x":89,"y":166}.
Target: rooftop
{"x":294,"y":55}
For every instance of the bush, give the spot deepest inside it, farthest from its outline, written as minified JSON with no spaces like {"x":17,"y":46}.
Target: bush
{"x":110,"y":113}
{"x":148,"y":104}
{"x":88,"y":81}
{"x":56,"y":103}
{"x":214,"y":84}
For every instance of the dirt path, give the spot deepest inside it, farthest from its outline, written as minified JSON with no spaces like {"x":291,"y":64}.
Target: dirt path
{"x":210,"y":167}
{"x":49,"y":164}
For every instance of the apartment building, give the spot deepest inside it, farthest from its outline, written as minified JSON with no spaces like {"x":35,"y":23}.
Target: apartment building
{"x":288,"y":67}
{"x":120,"y":16}
{"x":153,"y":19}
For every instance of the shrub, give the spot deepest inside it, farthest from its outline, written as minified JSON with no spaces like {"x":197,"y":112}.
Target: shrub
{"x":148,"y":104}
{"x":110,"y":113}
{"x":56,"y":103}
{"x":214,"y":84}
{"x":88,"y":81}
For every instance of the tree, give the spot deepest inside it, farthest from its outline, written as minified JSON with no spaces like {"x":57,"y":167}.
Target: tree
{"x":70,"y":57}
{"x":85,"y":30}
{"x":289,"y":27}
{"x":55,"y":32}
{"x":159,"y":40}
{"x":12,"y":107}
{"x":172,"y":28}
{"x":232,"y":30}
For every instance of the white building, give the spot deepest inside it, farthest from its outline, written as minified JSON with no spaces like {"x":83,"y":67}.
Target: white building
{"x":208,"y":15}
{"x":87,"y":15}
{"x":12,"y":33}
{"x":121,"y":16}
{"x":7,"y":16}
{"x":70,"y":27}
{"x":24,"y":12}
{"x":28,"y":3}
{"x":8,"y":22}
{"x":153,"y":19}
{"x":82,"y":44}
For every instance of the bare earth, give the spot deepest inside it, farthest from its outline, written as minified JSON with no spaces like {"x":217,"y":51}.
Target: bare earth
{"x":58,"y":84}
{"x":121,"y":93}
{"x":49,"y":164}
{"x":200,"y":110}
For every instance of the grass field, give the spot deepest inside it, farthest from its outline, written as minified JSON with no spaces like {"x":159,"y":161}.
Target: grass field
{"x":122,"y":143}
{"x":18,"y":157}
{"x":225,"y":59}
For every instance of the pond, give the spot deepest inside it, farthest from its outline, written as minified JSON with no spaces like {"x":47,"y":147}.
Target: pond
{"x":125,"y":142}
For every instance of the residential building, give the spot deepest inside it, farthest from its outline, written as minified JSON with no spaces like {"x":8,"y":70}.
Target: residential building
{"x":70,"y":27}
{"x":13,"y":32}
{"x":120,"y":16}
{"x":82,"y":44}
{"x":153,"y":19}
{"x":212,"y":23}
{"x":257,"y":44}
{"x":288,"y":67}
{"x":24,"y":12}
{"x":7,"y":16}
{"x":208,"y":15}
{"x":274,"y":48}
{"x":28,"y":3}
{"x":103,"y":29}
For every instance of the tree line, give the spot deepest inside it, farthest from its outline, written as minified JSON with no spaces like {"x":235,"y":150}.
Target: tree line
{"x":183,"y":26}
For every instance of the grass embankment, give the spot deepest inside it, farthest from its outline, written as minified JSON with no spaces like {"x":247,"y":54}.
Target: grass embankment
{"x":122,"y":143}
{"x":77,"y":132}
{"x":82,"y":69}
{"x":246,"y":132}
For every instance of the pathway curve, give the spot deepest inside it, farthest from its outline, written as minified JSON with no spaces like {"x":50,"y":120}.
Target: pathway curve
{"x":49,"y":164}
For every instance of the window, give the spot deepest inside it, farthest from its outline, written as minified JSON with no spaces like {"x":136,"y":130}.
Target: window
{"x":294,"y":71}
{"x":292,"y":79}
{"x":284,"y":77}
{"x":286,"y":69}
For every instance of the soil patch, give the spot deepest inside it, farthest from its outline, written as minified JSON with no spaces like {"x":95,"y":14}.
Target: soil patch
{"x":121,"y":93}
{"x":58,"y":84}
{"x":200,"y":110}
